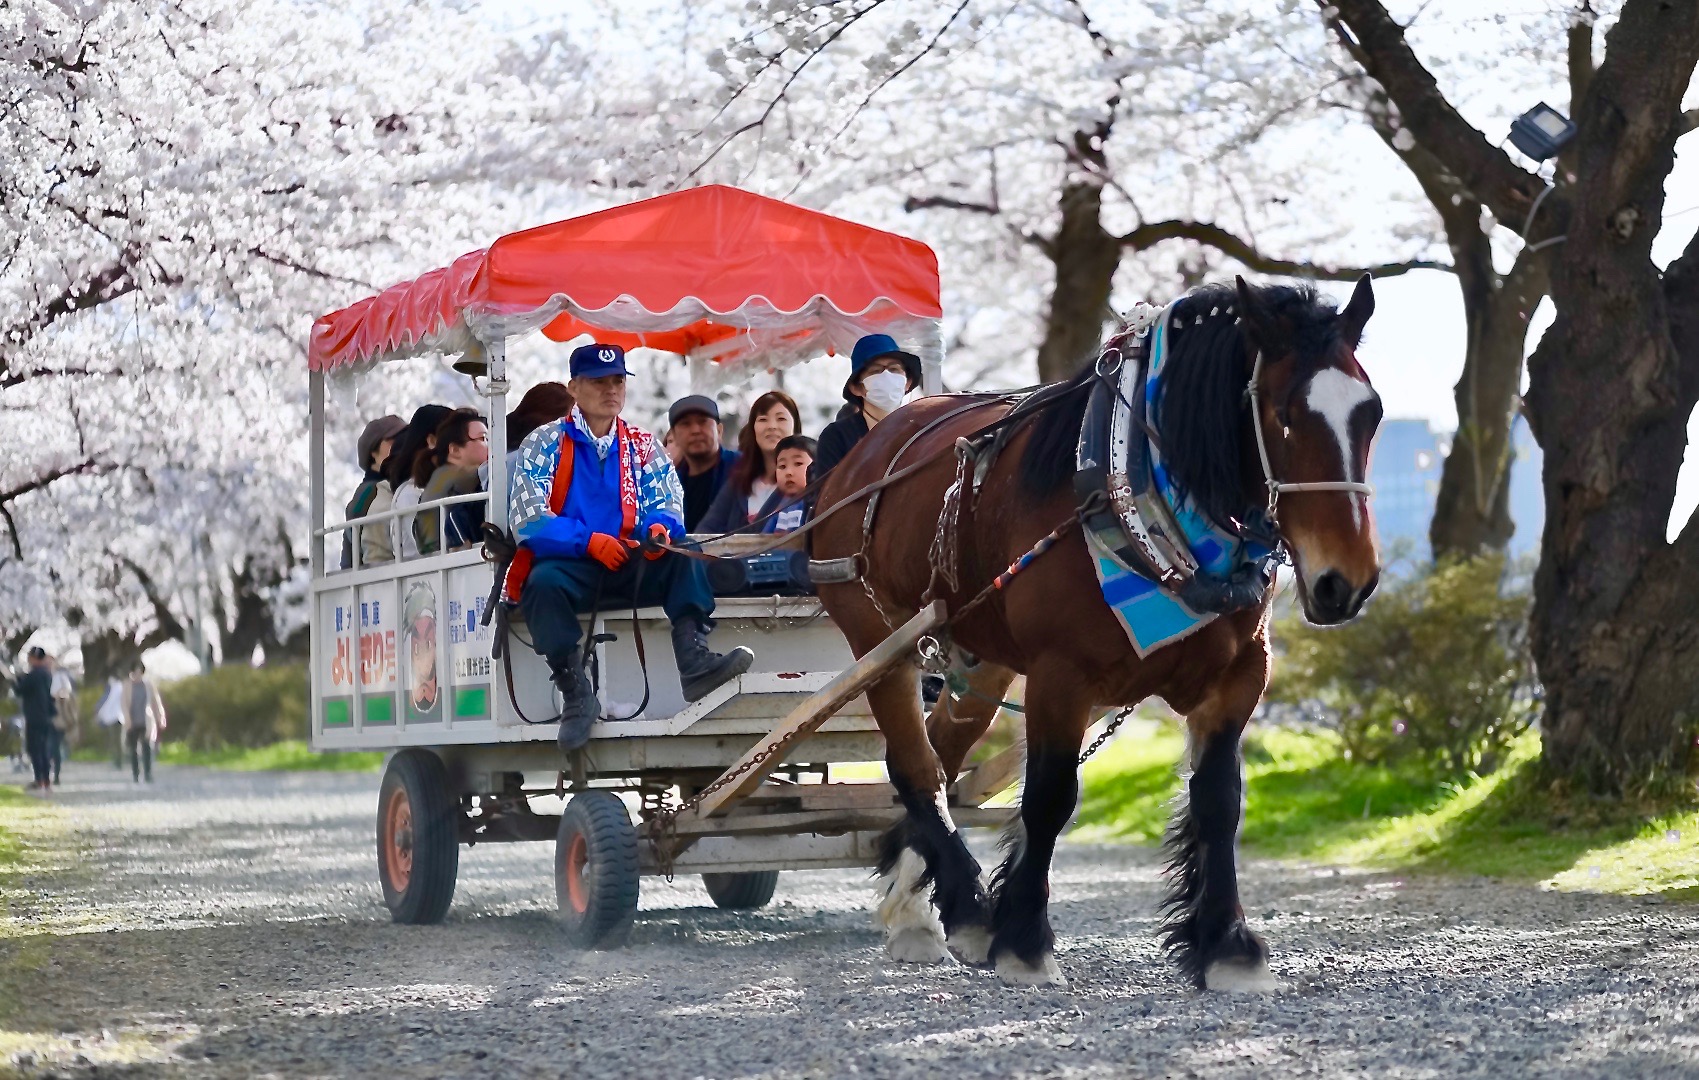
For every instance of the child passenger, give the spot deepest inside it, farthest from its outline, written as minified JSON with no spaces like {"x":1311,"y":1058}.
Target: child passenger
{"x":794,"y":456}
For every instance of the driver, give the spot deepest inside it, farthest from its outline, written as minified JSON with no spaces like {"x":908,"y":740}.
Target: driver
{"x":589,"y":493}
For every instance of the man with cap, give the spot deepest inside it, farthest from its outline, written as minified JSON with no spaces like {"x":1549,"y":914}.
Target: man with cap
{"x":881,"y":375}
{"x":696,"y":431}
{"x":35,"y":694}
{"x":591,"y":498}
{"x":374,"y":494}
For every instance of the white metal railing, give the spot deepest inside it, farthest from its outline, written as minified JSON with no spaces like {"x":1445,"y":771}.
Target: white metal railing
{"x":357,"y":524}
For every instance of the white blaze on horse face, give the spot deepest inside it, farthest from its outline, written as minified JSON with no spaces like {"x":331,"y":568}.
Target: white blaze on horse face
{"x":1335,"y":397}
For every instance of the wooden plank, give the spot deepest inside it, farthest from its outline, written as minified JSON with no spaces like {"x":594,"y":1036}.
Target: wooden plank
{"x":822,"y":704}
{"x":990,"y":777}
{"x":826,"y":821}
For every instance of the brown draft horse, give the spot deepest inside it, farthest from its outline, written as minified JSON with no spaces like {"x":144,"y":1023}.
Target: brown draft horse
{"x":1051,"y":624}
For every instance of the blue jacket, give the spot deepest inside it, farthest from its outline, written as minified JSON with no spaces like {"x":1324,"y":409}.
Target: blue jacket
{"x":592,"y":502}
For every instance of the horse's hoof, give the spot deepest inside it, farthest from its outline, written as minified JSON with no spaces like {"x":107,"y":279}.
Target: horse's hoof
{"x":972,"y":945}
{"x":1240,"y":977}
{"x":916,"y":945}
{"x":1017,"y":972}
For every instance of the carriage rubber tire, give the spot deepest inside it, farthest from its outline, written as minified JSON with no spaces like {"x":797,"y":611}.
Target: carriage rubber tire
{"x":742,"y":892}
{"x":418,"y":838}
{"x":596,"y":871}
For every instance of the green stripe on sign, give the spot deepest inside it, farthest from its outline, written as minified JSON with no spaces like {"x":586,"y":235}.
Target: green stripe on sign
{"x":380,"y":710}
{"x":471,"y":702}
{"x":336,"y":713}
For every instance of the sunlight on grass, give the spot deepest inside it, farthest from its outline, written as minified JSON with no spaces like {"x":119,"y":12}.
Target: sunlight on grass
{"x":1304,"y":802}
{"x":292,"y":755}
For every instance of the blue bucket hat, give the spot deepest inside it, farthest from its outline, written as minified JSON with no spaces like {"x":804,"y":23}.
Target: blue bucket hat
{"x":873,"y":347}
{"x":597,"y":360}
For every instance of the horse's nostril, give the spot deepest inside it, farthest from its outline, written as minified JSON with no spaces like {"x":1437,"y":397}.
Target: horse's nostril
{"x":1332,"y":592}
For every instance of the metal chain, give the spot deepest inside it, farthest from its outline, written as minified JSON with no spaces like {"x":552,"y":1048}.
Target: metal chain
{"x":663,"y":826}
{"x":1114,"y":726}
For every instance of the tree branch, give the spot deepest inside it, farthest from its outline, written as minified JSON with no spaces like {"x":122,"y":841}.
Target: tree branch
{"x":109,"y":284}
{"x":90,"y":466}
{"x":1212,"y":235}
{"x":1507,"y":190}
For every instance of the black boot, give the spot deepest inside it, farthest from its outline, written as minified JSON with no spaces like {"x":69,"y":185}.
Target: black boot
{"x":700,"y":669}
{"x":579,"y":706}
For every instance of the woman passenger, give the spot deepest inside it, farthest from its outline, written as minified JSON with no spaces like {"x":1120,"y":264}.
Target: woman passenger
{"x":752,"y":489}
{"x":416,"y":439}
{"x":449,"y":469}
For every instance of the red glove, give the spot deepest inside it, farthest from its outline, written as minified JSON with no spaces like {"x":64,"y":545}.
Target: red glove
{"x":658,"y":535}
{"x":610,"y":551}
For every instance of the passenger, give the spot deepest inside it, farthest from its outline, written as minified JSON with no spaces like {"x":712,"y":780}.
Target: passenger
{"x":753,"y":481}
{"x":881,"y":375}
{"x":418,"y":439}
{"x":703,"y":464}
{"x":544,"y":402}
{"x":589,"y":490}
{"x":450,"y":468}
{"x":374,"y":495}
{"x":795,"y":456}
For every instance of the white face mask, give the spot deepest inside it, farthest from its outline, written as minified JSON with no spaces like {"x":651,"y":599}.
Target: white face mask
{"x":885,"y":390}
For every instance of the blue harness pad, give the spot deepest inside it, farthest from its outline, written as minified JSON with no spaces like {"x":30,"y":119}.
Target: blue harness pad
{"x":1151,"y":616}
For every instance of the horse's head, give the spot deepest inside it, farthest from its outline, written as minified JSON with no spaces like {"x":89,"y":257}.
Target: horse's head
{"x":1315,"y":416}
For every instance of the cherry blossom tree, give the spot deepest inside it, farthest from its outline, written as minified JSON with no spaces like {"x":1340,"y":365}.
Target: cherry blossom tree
{"x":1611,"y":384}
{"x":183,"y":187}
{"x":1039,"y":145}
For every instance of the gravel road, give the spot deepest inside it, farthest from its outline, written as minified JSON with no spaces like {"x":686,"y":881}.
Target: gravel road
{"x":231,"y":925}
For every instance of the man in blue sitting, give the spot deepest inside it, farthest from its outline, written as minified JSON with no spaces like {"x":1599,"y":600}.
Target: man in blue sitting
{"x":591,"y":497}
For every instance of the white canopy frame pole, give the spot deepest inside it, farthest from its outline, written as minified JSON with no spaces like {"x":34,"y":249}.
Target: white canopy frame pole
{"x":495,"y":389}
{"x":315,"y":501}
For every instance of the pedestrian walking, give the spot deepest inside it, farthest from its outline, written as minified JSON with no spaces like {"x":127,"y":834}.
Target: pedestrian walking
{"x":35,"y":695}
{"x":144,"y":719}
{"x":64,"y":716}
{"x":109,"y":714}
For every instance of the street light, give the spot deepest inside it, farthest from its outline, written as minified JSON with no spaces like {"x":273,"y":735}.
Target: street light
{"x":1541,"y":132}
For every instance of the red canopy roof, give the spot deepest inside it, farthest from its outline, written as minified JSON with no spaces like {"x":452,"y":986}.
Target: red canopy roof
{"x":677,"y":272}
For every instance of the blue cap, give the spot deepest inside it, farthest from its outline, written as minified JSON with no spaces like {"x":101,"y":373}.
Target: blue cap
{"x":596,"y":360}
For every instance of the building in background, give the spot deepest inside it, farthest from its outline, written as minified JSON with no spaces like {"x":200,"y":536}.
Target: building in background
{"x":1405,"y":472}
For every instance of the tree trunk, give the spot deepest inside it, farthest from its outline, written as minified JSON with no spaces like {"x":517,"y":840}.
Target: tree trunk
{"x":1086,"y":257}
{"x":1616,"y":627}
{"x":1472,"y":511}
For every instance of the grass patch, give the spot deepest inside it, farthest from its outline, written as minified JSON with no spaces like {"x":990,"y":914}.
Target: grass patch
{"x":1303,"y":801}
{"x":291,"y":755}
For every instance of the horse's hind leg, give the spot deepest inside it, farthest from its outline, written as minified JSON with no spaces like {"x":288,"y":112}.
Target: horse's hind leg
{"x":1023,"y":944}
{"x":925,"y":848}
{"x":1204,"y":926}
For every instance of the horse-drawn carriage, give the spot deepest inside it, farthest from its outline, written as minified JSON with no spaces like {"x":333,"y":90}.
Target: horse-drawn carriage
{"x":1211,"y":440}
{"x":737,"y":786}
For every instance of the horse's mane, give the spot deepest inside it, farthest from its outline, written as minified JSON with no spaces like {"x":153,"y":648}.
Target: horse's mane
{"x":1204,"y":379}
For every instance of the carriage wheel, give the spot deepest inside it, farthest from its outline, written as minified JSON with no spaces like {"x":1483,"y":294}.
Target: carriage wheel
{"x":742,"y":892}
{"x":596,"y":876}
{"x":418,"y":838}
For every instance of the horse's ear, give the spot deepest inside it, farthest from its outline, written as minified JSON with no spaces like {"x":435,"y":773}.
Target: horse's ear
{"x":1259,"y":321}
{"x":1357,"y":312}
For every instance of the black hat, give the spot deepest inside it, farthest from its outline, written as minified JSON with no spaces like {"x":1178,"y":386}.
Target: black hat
{"x":695,"y":403}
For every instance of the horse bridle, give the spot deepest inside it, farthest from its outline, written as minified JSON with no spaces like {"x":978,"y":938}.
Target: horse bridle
{"x":1277,"y":488}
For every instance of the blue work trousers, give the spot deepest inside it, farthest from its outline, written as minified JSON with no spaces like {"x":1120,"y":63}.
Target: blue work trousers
{"x":559,"y":591}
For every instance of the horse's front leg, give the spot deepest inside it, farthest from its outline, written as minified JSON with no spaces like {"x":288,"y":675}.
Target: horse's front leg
{"x":925,"y":848}
{"x":1204,"y":926}
{"x":1023,"y":945}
